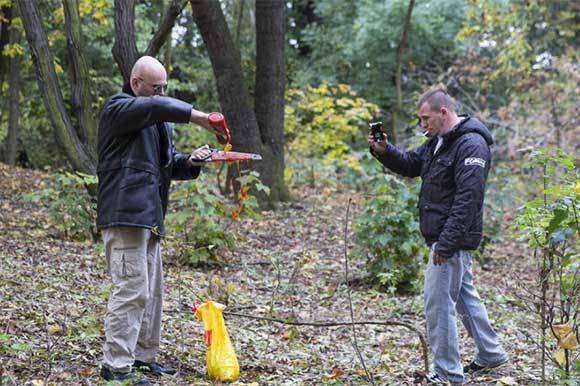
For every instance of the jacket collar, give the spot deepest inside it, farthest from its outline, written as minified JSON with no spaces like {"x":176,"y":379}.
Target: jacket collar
{"x":127,"y":89}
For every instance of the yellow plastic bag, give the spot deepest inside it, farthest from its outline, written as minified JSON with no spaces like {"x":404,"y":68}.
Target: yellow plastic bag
{"x":220,"y":357}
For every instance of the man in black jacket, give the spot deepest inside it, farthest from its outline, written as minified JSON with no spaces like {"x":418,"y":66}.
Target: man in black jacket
{"x":453,"y":164}
{"x":136,"y":162}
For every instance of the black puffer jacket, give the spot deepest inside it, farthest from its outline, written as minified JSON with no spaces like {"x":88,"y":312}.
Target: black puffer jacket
{"x":452,"y":191}
{"x":137,"y":159}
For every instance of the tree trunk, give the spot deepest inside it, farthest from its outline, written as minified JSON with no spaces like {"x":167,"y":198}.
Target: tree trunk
{"x":14,"y":95}
{"x":399,"y":68}
{"x":239,"y":19}
{"x":125,"y":48}
{"x":5,"y":21}
{"x":227,"y":68}
{"x":235,"y":99}
{"x":75,"y":151}
{"x":82,"y":101}
{"x":166,"y":24}
{"x":270,"y":87}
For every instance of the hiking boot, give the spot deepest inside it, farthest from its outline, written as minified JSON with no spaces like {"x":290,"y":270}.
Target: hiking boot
{"x":110,"y":375}
{"x":153,"y":368}
{"x":474,"y":367}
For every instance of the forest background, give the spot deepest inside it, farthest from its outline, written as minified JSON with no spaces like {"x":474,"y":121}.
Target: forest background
{"x":298,"y":81}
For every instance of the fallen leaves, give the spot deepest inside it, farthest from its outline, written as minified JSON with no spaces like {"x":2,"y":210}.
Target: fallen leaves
{"x":566,"y":336}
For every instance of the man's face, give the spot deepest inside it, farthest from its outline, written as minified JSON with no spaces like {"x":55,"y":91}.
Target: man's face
{"x":151,"y":83}
{"x":431,"y":120}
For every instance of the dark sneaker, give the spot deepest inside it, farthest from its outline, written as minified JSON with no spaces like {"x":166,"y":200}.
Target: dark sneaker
{"x":153,"y":368}
{"x":474,"y":367}
{"x":130,"y":376}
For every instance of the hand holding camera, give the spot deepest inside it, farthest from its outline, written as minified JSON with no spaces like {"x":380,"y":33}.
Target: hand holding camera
{"x":377,"y":138}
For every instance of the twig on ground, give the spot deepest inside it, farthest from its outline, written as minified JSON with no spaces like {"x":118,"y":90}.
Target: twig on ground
{"x":355,"y":341}
{"x":332,"y":323}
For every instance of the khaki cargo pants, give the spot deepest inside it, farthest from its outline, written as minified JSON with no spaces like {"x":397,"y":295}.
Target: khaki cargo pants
{"x":133,"y":319}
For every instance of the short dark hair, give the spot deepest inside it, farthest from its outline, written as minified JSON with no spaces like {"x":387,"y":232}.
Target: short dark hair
{"x":437,"y":98}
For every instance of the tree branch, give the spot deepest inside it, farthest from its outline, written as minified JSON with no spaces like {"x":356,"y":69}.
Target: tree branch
{"x":332,"y":323}
{"x":79,"y":76}
{"x":166,"y":24}
{"x":125,"y":49}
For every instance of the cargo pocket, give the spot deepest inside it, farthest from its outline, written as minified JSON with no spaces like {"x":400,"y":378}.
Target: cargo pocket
{"x":132,"y":264}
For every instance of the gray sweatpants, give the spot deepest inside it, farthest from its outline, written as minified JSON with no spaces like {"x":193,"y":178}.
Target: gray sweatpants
{"x":133,"y":319}
{"x":449,"y":292}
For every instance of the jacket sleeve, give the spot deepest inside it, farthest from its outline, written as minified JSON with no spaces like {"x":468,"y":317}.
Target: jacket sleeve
{"x":407,"y":164}
{"x":181,"y":169}
{"x":471,"y":169}
{"x":127,"y":114}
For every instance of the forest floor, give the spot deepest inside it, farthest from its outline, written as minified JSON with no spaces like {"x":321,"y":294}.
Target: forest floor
{"x":287,"y":264}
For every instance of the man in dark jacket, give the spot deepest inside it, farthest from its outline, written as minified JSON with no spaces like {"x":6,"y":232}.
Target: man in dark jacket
{"x":453,"y":164}
{"x":136,"y":162}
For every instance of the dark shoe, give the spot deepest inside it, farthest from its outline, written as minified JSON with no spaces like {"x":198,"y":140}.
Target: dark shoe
{"x":110,"y":375}
{"x":474,"y":367}
{"x":153,"y":368}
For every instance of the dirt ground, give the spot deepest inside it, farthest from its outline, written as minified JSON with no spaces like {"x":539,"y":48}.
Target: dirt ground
{"x":287,"y":264}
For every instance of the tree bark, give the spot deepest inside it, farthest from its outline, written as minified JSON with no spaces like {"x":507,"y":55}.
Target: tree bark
{"x":227,"y":68}
{"x":14,"y":98}
{"x":75,"y":151}
{"x":239,"y":19}
{"x":399,"y":69}
{"x":125,"y":50}
{"x":270,"y":88}
{"x":234,"y":97}
{"x":166,"y":24}
{"x":80,"y":77}
{"x":6,"y":20}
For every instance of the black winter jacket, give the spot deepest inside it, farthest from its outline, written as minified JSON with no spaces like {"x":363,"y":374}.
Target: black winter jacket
{"x":137,"y":159}
{"x":453,"y":184}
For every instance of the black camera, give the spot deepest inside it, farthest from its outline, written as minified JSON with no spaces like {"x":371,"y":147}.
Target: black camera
{"x":377,"y":131}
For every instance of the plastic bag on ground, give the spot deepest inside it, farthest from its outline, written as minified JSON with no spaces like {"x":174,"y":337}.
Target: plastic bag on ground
{"x":221,"y":361}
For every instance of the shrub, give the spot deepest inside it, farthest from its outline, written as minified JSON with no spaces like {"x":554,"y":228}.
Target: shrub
{"x":333,"y":118}
{"x":550,"y":224}
{"x":71,"y":209}
{"x":196,"y":224}
{"x":387,"y":234}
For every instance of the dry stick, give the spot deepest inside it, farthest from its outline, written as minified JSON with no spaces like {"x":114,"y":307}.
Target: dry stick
{"x":355,"y":341}
{"x":181,"y":348}
{"x":331,"y":323}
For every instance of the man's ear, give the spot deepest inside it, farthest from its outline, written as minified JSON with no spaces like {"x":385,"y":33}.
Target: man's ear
{"x":133,"y":84}
{"x":444,"y":111}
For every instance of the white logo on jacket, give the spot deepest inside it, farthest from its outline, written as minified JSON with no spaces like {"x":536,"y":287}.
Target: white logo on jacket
{"x":475,"y":161}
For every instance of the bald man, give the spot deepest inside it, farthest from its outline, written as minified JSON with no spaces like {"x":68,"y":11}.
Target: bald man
{"x":136,"y":163}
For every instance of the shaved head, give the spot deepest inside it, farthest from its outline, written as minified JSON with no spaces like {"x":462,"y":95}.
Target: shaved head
{"x":148,"y":77}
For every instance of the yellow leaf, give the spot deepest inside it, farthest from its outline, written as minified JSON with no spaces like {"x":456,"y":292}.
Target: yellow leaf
{"x":53,"y":329}
{"x":560,"y":357}
{"x":565,"y":335}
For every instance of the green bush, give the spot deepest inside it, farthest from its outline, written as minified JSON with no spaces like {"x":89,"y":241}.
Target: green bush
{"x":71,"y":209}
{"x":502,"y":190}
{"x":550,"y":224}
{"x":199,"y":216}
{"x":387,"y":234}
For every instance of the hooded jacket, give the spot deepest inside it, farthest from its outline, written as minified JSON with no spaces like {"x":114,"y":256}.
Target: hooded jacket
{"x":453,"y":184}
{"x":137,"y":159}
